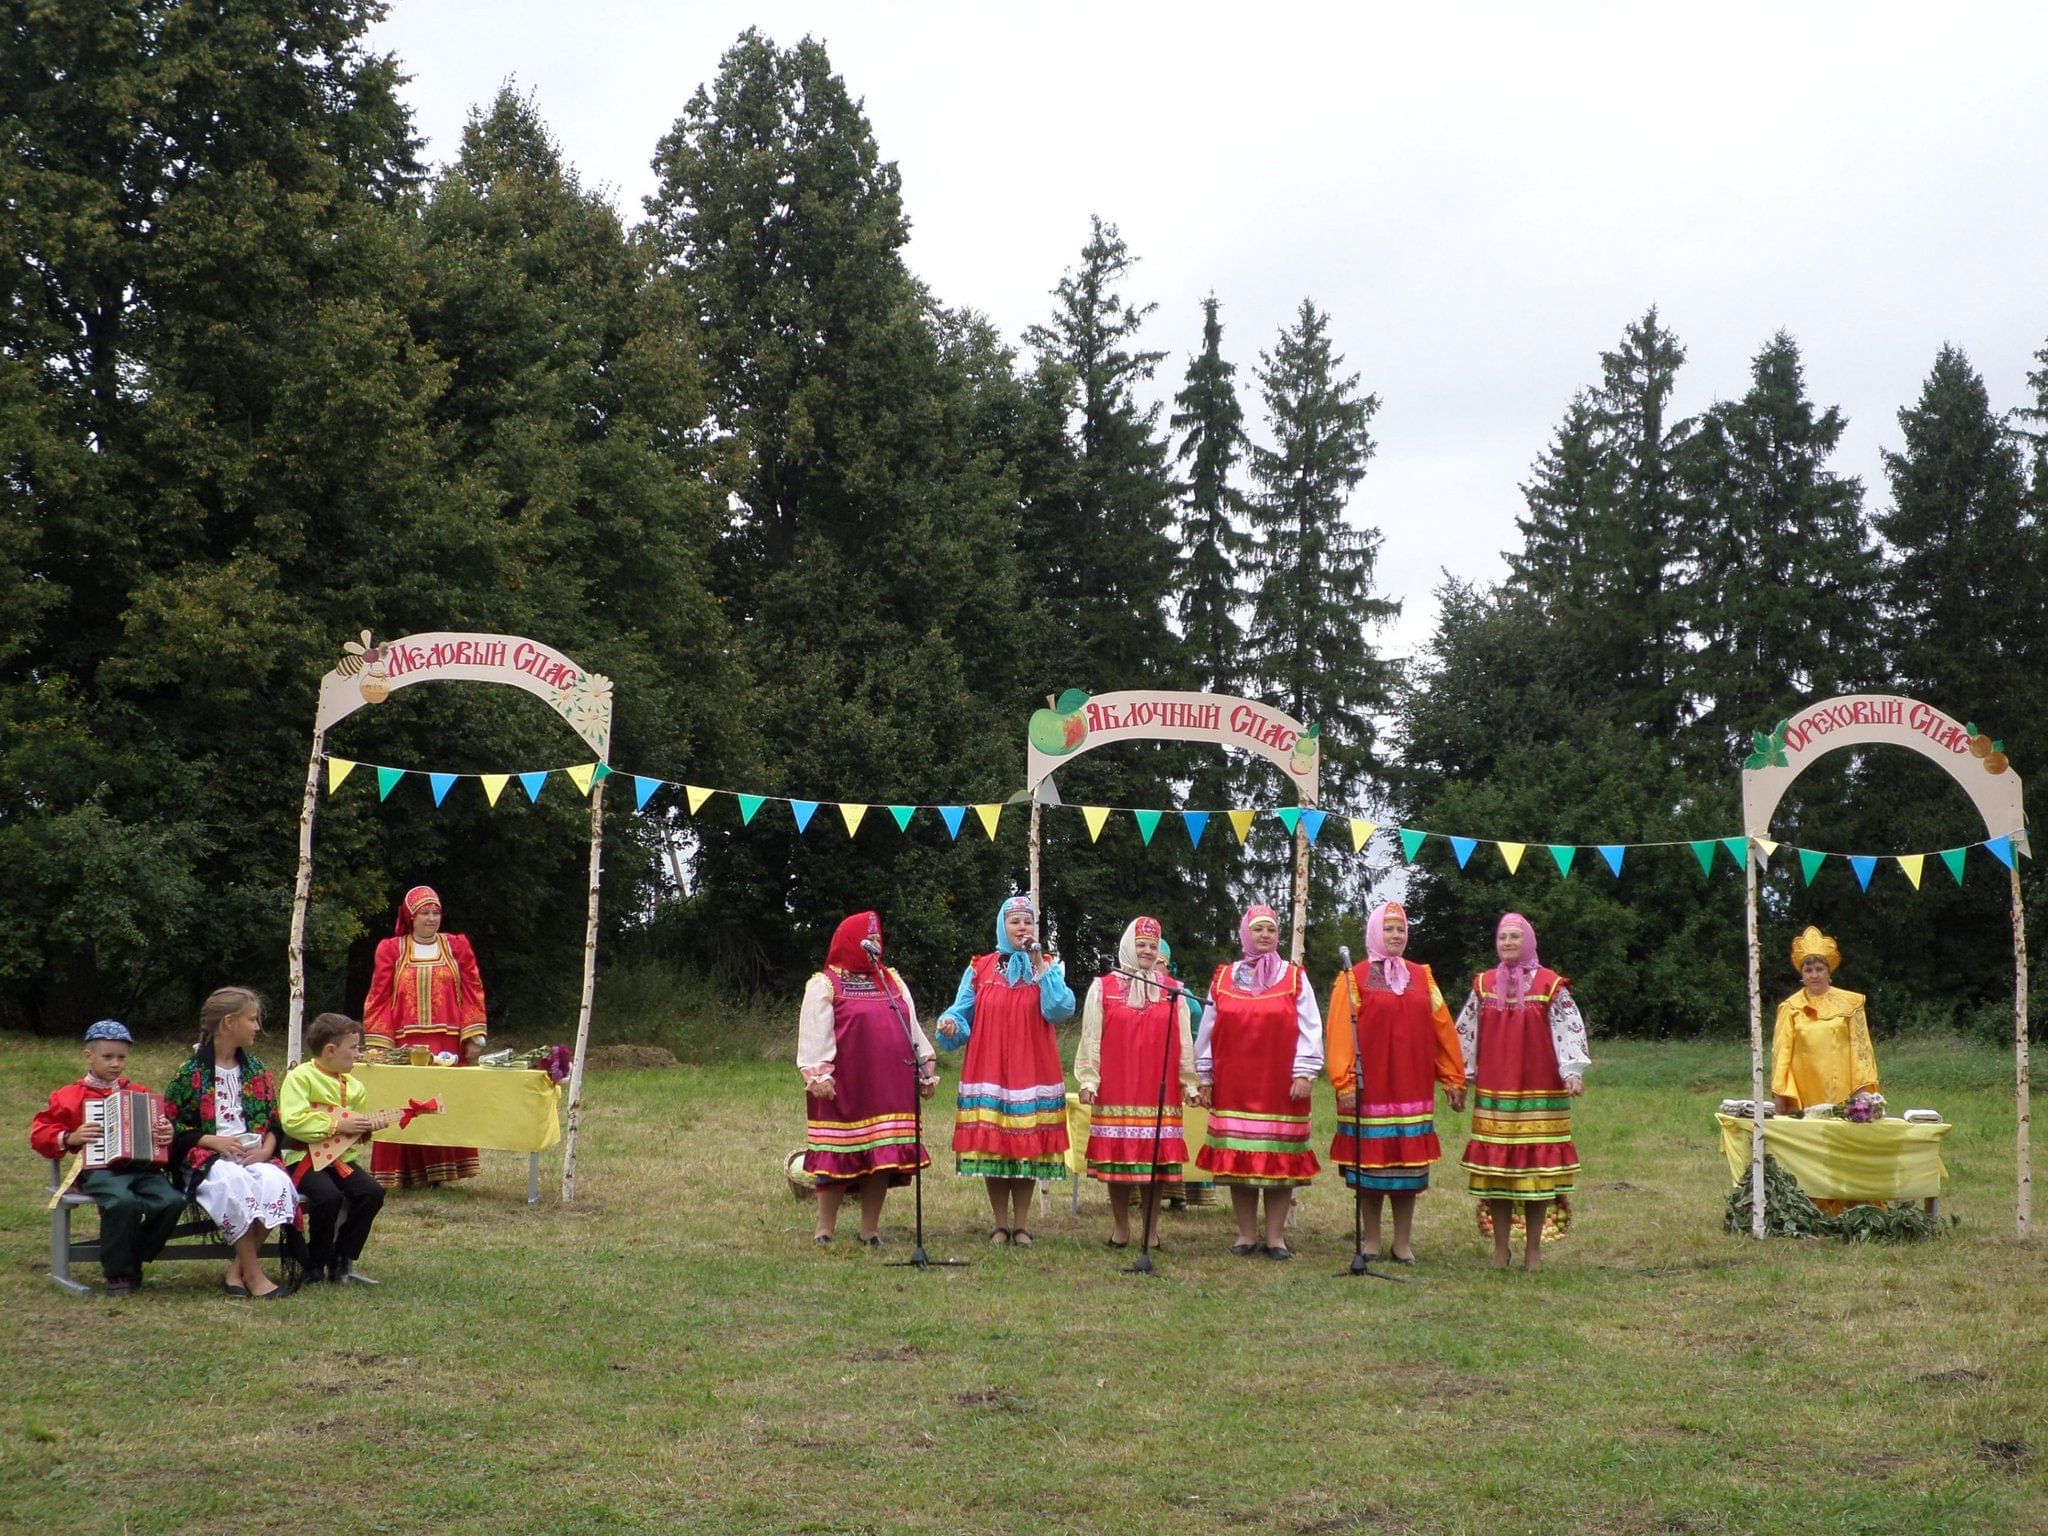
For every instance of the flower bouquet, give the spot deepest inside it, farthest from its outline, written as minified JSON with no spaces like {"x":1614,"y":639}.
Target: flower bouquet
{"x":555,"y":1060}
{"x":1862,"y":1108}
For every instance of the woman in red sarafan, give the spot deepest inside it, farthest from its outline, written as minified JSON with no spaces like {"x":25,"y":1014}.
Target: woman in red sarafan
{"x":865,"y":1061}
{"x":425,"y":991}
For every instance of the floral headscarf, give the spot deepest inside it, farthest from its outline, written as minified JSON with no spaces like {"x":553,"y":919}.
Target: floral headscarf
{"x":1392,"y":967}
{"x":1523,"y":971}
{"x":1266,"y":970}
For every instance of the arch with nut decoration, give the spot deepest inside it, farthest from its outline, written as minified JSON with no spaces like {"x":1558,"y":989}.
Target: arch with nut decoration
{"x":371,"y":671}
{"x":1978,"y":765}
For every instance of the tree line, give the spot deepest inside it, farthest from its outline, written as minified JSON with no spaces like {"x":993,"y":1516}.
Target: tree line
{"x":267,"y":381}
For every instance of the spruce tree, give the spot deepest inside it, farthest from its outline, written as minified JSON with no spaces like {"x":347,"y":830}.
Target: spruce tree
{"x":863,"y":439}
{"x":1783,"y":574}
{"x":1100,"y":505}
{"x":1213,"y":547}
{"x":1212,"y":541}
{"x":1310,"y":646}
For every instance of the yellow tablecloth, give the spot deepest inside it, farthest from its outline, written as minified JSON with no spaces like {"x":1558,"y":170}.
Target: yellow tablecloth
{"x":1194,"y":1128}
{"x":508,"y":1111}
{"x":1840,"y":1160}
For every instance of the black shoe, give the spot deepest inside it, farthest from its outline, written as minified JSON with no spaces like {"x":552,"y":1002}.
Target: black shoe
{"x":346,"y":1273}
{"x":239,"y":1292}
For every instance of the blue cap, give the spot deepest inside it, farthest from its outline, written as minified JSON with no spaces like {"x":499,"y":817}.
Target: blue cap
{"x":109,"y":1029}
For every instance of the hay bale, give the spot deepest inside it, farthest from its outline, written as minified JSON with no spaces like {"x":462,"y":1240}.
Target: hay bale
{"x":631,"y":1057}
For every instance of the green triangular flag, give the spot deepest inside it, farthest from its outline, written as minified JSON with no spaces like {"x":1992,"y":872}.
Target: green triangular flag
{"x":1953,"y":858}
{"x":1703,"y":850}
{"x":1738,"y":850}
{"x":902,"y":813}
{"x":1289,"y":817}
{"x":1410,"y":841}
{"x":1810,"y":862}
{"x":748,"y":805}
{"x":1564,"y":853}
{"x":1148,"y":823}
{"x":386,"y":778}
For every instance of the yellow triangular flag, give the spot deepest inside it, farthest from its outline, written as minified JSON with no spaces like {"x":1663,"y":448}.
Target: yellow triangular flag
{"x":1361,"y":833}
{"x":697,"y":797}
{"x":1766,"y":844}
{"x":581,"y":775}
{"x":990,"y":815}
{"x":1511,"y":854}
{"x":338,"y":768}
{"x":494,"y":785}
{"x":1095,"y":816}
{"x":851,"y":815}
{"x":1241,"y":824}
{"x":1911,"y":863}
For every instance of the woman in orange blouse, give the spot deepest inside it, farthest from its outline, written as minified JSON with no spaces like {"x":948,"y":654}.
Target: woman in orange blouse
{"x":426,"y":992}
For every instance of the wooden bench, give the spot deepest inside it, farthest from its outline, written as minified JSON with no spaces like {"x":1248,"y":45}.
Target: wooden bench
{"x":195,"y":1237}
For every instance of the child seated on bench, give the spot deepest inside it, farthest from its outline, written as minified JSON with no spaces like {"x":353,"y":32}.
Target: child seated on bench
{"x":321,"y":1105}
{"x":224,"y":1111}
{"x":138,"y":1205}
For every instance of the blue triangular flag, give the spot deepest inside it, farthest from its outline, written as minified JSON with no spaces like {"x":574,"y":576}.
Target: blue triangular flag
{"x":1612,"y":853}
{"x":953,"y":815}
{"x":532,"y":782}
{"x":2000,"y":848}
{"x":1196,"y":821}
{"x":643,"y":791}
{"x":1863,"y":864}
{"x":440,"y":783}
{"x":803,"y":811}
{"x":1312,"y":823}
{"x":1462,"y":847}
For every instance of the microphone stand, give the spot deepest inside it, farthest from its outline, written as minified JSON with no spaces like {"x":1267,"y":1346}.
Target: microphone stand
{"x":1142,"y":1265}
{"x":917,"y":1259}
{"x":1359,"y":1266}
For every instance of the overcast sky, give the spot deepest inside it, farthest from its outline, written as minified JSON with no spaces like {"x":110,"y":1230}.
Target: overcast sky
{"x":1481,"y":196}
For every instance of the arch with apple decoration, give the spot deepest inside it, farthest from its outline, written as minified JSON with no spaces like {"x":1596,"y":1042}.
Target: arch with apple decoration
{"x":1076,"y":722}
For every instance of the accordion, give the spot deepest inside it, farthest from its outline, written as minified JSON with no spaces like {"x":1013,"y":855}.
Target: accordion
{"x":127,"y":1119}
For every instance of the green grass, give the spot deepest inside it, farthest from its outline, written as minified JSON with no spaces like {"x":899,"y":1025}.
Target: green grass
{"x":671,"y":1352}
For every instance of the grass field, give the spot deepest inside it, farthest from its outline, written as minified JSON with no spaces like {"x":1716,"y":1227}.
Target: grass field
{"x":672,"y":1353}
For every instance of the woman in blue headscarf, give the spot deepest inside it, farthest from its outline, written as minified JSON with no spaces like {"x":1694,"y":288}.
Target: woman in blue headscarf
{"x":1012,"y":1124}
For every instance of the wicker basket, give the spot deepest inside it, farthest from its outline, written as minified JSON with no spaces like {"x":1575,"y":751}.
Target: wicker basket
{"x":801,"y":1184}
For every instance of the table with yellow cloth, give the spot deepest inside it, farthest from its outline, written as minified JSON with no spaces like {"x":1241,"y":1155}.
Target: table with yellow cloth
{"x":1841,"y":1160}
{"x":505,"y":1109}
{"x":1194,"y":1129}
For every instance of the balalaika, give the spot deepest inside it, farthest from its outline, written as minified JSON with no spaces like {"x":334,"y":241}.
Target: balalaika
{"x":127,"y":1119}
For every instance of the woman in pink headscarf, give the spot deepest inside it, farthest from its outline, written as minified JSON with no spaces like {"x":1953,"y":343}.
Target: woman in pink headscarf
{"x":425,"y":991}
{"x":1391,"y":1043}
{"x":1525,"y":1053}
{"x":1257,"y":1057}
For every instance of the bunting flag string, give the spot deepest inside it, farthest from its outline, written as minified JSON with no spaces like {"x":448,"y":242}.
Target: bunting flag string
{"x":1305,"y":822}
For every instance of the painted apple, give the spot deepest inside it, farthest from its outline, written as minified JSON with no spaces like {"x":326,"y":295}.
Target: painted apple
{"x":1061,"y":728}
{"x":1305,"y":750}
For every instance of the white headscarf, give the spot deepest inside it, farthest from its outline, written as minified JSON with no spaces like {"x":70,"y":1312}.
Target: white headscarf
{"x":1140,"y":994}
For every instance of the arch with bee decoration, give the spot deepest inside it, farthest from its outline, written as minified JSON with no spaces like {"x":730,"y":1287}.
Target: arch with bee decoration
{"x":368,"y":673}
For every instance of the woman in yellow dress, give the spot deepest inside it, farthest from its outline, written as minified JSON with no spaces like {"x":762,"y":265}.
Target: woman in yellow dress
{"x":1820,"y":1050}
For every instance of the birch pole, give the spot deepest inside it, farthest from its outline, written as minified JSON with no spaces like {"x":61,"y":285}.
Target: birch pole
{"x":2022,"y":1093}
{"x":589,"y":987}
{"x":302,"y":894}
{"x":1756,"y":1054}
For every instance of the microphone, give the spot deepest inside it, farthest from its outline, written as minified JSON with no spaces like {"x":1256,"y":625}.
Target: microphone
{"x":872,"y":950}
{"x":1344,"y":954}
{"x":1031,"y":945}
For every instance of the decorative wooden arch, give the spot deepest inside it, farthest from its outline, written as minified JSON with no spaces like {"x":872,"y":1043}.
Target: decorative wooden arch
{"x":1875,"y":719}
{"x":1075,"y":722}
{"x":369,"y":673}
